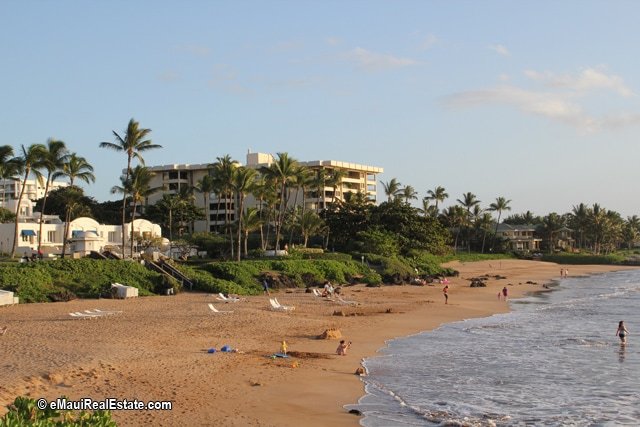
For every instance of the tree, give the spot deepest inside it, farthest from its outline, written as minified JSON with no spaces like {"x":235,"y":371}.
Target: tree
{"x":9,"y":166}
{"x":132,"y":143}
{"x":222,"y":172}
{"x":31,"y":161}
{"x":468,"y":201}
{"x":138,"y":186}
{"x":206,"y":186}
{"x":501,"y":204}
{"x":454,"y":217}
{"x":74,"y":168}
{"x":580,"y":221}
{"x":54,"y":160}
{"x":335,"y":180}
{"x":408,"y":193}
{"x":242,"y":184}
{"x":439,"y":195}
{"x":251,"y":221}
{"x":282,"y":171}
{"x":310,"y":223}
{"x":391,"y":189}
{"x":346,"y":218}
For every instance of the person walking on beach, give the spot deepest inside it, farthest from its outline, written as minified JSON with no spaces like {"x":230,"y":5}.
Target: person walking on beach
{"x":445,"y":291}
{"x":505,"y":291}
{"x":265,"y":286}
{"x":622,"y":332}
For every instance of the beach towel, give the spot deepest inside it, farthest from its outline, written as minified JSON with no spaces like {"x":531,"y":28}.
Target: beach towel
{"x":226,"y":349}
{"x":279,"y":355}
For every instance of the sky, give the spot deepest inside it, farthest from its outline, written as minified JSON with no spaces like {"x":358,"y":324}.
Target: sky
{"x":534,"y":101}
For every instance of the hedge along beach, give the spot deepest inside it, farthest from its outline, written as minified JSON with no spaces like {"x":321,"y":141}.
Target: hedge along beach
{"x":157,"y":349}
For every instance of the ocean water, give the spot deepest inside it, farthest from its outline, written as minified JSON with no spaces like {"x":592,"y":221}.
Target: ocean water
{"x":553,"y":361}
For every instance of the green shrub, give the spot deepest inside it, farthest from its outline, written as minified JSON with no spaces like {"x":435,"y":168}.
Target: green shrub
{"x":25,"y":412}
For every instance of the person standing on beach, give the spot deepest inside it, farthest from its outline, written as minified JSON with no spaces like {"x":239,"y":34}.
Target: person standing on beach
{"x":622,"y":332}
{"x":505,"y":291}
{"x":445,"y":291}
{"x":265,"y":286}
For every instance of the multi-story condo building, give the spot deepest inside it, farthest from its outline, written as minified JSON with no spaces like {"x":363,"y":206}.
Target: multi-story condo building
{"x":356,"y":178}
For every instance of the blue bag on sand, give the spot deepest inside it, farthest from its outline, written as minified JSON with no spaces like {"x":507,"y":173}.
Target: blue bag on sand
{"x":226,"y":348}
{"x":211,"y":350}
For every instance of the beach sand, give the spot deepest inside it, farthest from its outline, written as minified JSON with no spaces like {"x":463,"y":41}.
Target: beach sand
{"x":156,"y":349}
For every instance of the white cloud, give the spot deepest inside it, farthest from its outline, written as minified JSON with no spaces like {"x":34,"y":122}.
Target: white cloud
{"x":372,"y":61}
{"x":500,"y":49}
{"x":587,"y":80}
{"x":560,"y":101}
{"x":428,"y":42}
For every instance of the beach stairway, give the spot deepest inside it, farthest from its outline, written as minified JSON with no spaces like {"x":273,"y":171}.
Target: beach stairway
{"x":164,"y":267}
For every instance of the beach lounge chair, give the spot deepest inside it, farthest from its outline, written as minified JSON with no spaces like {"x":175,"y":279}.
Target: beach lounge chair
{"x":102,"y":312}
{"x":3,"y":330}
{"x":221,"y":297}
{"x":78,"y":315}
{"x":215,"y":310}
{"x":275,"y":303}
{"x":316,"y":292}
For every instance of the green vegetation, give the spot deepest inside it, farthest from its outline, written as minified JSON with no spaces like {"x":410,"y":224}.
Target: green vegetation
{"x":24,"y":412}
{"x":64,"y":278}
{"x":577,"y":259}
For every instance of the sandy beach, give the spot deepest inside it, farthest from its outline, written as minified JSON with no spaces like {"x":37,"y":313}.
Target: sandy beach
{"x":156,"y":349}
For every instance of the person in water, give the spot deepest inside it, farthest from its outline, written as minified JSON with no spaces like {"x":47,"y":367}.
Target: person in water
{"x":622,"y":332}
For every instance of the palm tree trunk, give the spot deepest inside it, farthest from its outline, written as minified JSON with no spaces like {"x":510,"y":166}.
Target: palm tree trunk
{"x":44,"y":202}
{"x":133,"y":217}
{"x":15,"y":230}
{"x":241,"y":200}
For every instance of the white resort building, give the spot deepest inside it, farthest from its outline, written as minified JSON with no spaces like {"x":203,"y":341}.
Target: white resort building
{"x":357,"y":179}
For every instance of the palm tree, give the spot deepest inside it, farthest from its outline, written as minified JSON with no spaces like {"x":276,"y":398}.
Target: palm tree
{"x":282,"y":171}
{"x":391,"y":188}
{"x":54,"y":161}
{"x":468,"y":201}
{"x":439,"y":195}
{"x":408,"y":193}
{"x":251,"y":221}
{"x":483,"y":222}
{"x":222,"y":172}
{"x":631,"y":230}
{"x":550,"y":226}
{"x":9,"y":166}
{"x":454,"y":217}
{"x":335,"y":180}
{"x":31,"y":161}
{"x":242,"y":183}
{"x":75,"y":167}
{"x":133,"y":143}
{"x":310,"y":223}
{"x":501,"y":204}
{"x":319,"y":182}
{"x":138,"y":187}
{"x":206,"y":186}
{"x":579,"y":222}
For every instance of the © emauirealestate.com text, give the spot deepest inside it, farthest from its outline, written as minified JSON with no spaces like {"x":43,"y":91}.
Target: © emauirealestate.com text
{"x":109,"y":404}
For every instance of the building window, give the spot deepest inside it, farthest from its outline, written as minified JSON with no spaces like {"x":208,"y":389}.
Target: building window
{"x":173,"y":175}
{"x":112,"y":236}
{"x":51,"y":236}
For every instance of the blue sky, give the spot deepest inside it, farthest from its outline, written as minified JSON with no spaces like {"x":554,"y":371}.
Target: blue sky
{"x":535,"y":101}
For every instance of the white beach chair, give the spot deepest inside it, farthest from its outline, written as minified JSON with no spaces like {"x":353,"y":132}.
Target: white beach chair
{"x":221,"y":297}
{"x":283,"y":307}
{"x":276,"y":306}
{"x":102,"y":312}
{"x":215,"y":310}
{"x":78,"y":315}
{"x":316,"y":292}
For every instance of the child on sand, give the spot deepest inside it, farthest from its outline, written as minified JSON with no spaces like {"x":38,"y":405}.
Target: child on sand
{"x":445,"y":291}
{"x":342,"y":348}
{"x":283,"y":347}
{"x":622,"y":332}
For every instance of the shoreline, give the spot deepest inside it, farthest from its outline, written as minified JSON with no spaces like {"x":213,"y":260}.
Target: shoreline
{"x":156,"y":349}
